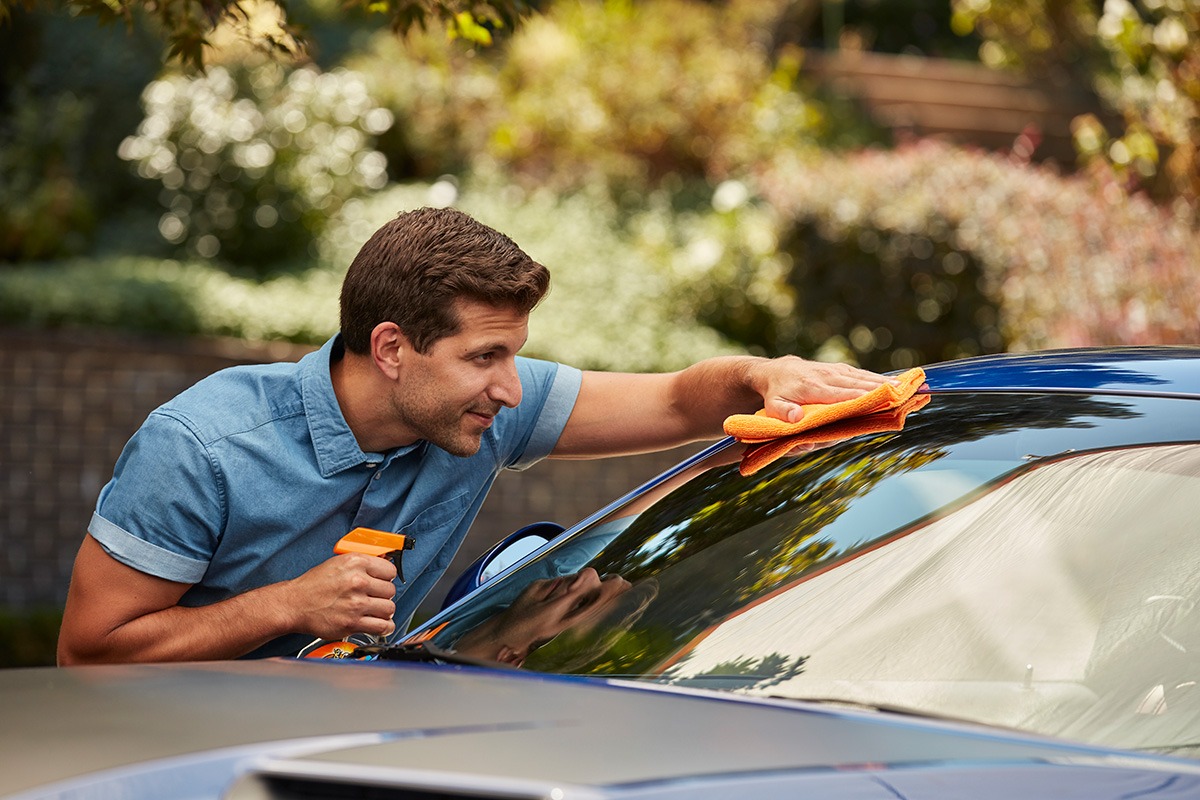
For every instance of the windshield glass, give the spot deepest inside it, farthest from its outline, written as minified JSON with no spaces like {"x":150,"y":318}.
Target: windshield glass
{"x":1020,"y":560}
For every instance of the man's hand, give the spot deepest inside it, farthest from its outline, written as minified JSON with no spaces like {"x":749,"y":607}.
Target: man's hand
{"x":789,"y":382}
{"x":349,"y":593}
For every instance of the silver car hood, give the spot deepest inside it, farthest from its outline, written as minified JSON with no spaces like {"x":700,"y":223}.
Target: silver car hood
{"x":262,"y":729}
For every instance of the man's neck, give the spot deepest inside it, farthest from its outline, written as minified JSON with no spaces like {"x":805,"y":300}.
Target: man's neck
{"x":361,"y":394}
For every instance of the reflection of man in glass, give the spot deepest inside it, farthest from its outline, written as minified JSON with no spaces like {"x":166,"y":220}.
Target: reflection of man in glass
{"x":593,"y":609}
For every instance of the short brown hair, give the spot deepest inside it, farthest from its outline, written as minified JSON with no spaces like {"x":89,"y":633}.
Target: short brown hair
{"x":412,"y":270}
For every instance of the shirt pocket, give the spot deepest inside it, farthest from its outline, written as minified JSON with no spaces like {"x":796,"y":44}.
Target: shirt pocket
{"x":430,"y":531}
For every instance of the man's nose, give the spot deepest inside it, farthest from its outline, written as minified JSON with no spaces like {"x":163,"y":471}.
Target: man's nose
{"x":586,"y":579}
{"x":506,"y":388}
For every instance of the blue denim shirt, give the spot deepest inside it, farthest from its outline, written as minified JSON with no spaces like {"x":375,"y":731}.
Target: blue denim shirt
{"x":249,"y":478}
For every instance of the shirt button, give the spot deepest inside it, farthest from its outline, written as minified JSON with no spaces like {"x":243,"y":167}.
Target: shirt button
{"x":372,"y":464}
{"x":378,"y":475}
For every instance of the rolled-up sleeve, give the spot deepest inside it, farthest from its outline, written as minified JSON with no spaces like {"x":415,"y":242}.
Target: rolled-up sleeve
{"x":162,"y":511}
{"x":558,"y":387}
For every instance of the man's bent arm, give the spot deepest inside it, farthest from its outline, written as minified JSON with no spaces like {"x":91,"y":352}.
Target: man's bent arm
{"x":621,"y":413}
{"x":115,"y":613}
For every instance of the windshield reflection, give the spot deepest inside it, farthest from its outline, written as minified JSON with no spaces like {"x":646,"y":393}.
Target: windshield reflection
{"x":1058,"y":617}
{"x":589,"y":609}
{"x":979,"y":546}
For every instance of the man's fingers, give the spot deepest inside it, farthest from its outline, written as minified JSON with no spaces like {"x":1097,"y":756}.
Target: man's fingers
{"x":779,"y":408}
{"x":348,"y":593}
{"x":379,"y":608}
{"x":375,"y":626}
{"x":854,"y":378}
{"x":380,"y":568}
{"x":378,"y":618}
{"x":381,"y":588}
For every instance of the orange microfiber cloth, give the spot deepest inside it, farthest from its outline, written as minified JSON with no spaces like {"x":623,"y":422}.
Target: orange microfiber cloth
{"x":755,"y":458}
{"x":752,"y":428}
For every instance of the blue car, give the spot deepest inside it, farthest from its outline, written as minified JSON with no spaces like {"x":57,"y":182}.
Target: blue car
{"x":992,"y":595}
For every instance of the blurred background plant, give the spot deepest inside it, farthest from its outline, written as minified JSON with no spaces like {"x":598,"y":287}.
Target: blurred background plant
{"x":253,"y":163}
{"x":191,"y":29}
{"x":1141,"y":56}
{"x":68,"y":95}
{"x":625,"y":94}
{"x":636,"y":93}
{"x":930,"y":252}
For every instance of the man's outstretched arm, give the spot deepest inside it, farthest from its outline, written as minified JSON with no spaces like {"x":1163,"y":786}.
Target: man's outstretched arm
{"x":621,"y":413}
{"x":115,"y":613}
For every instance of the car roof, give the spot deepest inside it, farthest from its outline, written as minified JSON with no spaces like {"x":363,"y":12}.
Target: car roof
{"x":1167,"y":371}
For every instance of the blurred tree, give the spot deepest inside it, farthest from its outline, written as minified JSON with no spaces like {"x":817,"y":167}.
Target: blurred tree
{"x":676,"y":95}
{"x":1141,"y":56}
{"x":946,"y":252}
{"x":1154,"y":82}
{"x":253,"y":162}
{"x":909,"y":27}
{"x":1050,"y":38}
{"x":68,"y":95}
{"x":656,"y":94}
{"x":188,"y":25}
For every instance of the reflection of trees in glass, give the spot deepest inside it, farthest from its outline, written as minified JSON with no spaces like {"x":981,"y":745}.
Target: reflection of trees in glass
{"x":745,"y":673}
{"x":639,"y":645}
{"x":722,"y":540}
{"x":800,"y":550}
{"x":720,"y":503}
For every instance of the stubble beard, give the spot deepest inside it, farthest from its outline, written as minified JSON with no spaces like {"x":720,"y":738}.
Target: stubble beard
{"x":437,"y":424}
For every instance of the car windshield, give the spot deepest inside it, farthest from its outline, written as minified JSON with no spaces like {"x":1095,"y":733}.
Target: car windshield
{"x":1030,"y":561}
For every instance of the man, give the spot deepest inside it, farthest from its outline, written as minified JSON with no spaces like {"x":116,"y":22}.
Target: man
{"x":214,"y":537}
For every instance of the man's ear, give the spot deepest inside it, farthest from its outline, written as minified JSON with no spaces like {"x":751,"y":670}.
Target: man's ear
{"x":389,"y":349}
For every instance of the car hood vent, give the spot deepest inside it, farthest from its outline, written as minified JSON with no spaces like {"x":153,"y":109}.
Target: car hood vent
{"x":292,"y":788}
{"x":319,"y":780}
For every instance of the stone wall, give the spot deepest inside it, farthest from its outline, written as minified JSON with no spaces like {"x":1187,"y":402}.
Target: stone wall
{"x":70,"y":399}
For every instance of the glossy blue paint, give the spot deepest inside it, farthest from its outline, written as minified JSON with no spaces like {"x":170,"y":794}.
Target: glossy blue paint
{"x":1168,"y":371}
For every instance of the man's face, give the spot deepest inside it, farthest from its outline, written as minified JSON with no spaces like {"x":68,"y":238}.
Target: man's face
{"x":546,"y":608}
{"x":578,"y":603}
{"x":450,"y":394}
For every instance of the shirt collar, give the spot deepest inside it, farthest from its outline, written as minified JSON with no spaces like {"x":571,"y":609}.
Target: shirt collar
{"x":333,"y":441}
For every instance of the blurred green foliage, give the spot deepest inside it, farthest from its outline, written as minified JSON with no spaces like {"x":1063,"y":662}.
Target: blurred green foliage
{"x":138,"y":293}
{"x":906,"y":27}
{"x":190,"y":28}
{"x":1141,"y":56}
{"x":636,"y":92}
{"x":253,"y":163}
{"x":44,"y":211}
{"x":68,"y":95}
{"x":443,"y":97}
{"x":630,"y":95}
{"x":986,"y":254}
{"x":29,"y":639}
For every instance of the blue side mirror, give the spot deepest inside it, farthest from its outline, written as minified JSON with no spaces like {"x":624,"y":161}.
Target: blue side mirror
{"x":509,"y":551}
